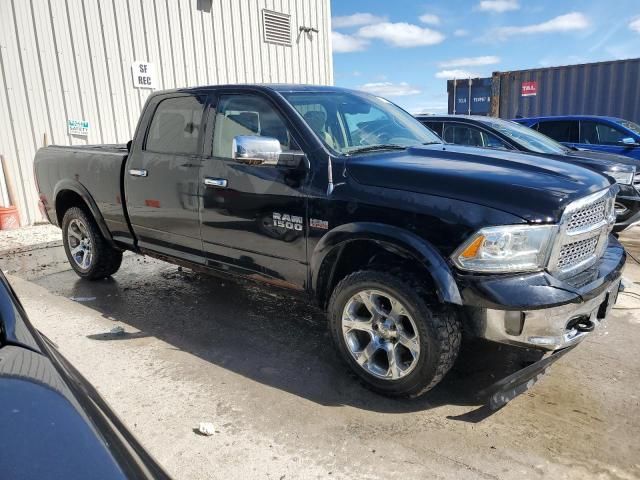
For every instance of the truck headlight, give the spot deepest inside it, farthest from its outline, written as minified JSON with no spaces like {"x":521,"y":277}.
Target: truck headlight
{"x":623,"y":177}
{"x":517,"y":248}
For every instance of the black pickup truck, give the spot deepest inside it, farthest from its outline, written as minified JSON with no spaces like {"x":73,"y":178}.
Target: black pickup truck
{"x":406,"y":242}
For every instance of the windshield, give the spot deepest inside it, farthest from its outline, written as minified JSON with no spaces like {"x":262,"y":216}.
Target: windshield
{"x":634,"y":127}
{"x":527,"y":137}
{"x":351,"y":122}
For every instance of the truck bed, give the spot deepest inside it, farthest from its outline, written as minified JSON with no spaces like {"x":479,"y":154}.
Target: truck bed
{"x":92,"y":170}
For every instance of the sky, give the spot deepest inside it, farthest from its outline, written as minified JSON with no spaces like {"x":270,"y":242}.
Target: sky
{"x":405,"y":50}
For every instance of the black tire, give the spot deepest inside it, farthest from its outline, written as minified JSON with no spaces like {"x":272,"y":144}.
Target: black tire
{"x":438,"y":330}
{"x":105,"y":260}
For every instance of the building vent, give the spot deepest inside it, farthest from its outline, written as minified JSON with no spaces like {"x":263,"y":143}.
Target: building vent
{"x":276,"y":27}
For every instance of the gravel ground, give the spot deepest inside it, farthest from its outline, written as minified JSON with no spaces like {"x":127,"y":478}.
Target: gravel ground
{"x":26,"y":238}
{"x":259,"y":366}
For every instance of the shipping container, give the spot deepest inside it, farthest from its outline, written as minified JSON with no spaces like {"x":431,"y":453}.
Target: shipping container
{"x":603,"y":88}
{"x":472,"y":96}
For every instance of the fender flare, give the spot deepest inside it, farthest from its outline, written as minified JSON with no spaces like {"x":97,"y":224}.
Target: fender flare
{"x":77,"y":187}
{"x":392,"y":238}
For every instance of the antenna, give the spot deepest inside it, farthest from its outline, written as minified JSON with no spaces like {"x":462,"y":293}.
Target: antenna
{"x":330,"y":175}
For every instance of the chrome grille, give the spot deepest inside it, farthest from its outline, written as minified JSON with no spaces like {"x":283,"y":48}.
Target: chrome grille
{"x":577,"y":252}
{"x":583,"y":234}
{"x":588,"y":216}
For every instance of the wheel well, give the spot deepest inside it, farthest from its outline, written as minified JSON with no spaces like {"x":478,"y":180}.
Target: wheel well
{"x":359,"y":255}
{"x":65,"y":200}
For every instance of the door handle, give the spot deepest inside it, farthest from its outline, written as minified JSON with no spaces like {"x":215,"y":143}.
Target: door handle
{"x":138,"y":172}
{"x":215,"y":182}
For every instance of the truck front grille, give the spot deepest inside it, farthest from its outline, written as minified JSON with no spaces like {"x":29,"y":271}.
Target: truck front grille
{"x":583,"y":234}
{"x":587,"y":216}
{"x":576,"y":252}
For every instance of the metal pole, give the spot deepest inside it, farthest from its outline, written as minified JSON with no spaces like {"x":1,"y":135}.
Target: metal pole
{"x":455,"y":100}
{"x":469,"y":101}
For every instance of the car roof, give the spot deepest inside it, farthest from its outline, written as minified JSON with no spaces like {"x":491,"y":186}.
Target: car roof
{"x":572,"y":117}
{"x":461,"y":118}
{"x":276,"y":87}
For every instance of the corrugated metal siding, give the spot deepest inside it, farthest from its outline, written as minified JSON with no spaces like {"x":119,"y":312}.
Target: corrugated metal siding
{"x":71,"y":59}
{"x":605,"y":88}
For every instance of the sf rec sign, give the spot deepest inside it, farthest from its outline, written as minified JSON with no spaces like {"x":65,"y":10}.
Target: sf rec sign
{"x":143,"y":75}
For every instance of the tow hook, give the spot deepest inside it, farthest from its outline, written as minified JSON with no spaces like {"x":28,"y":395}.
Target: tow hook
{"x":585,"y":325}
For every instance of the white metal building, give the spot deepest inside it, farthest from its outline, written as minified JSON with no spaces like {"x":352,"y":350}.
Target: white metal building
{"x":79,"y":71}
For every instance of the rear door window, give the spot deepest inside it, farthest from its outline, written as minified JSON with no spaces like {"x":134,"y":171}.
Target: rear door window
{"x":560,"y":130}
{"x":175,"y":126}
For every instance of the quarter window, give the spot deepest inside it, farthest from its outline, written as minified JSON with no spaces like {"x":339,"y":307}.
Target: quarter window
{"x":175,"y":126}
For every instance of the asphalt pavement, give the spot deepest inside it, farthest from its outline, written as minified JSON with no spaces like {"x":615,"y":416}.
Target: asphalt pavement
{"x":260,"y":366}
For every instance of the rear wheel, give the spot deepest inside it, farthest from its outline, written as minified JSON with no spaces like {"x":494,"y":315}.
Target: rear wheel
{"x":395,"y":341}
{"x":88,"y":252}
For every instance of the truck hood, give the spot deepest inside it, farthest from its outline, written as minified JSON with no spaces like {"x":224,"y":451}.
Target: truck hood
{"x":532,"y":187}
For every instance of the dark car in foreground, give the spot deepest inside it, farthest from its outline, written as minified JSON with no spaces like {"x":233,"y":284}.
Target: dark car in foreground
{"x":489,"y":132}
{"x":53,"y":423}
{"x":342,"y":196}
{"x":590,"y":132}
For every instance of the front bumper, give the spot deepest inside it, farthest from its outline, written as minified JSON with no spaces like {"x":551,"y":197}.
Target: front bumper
{"x":628,"y":208}
{"x":550,"y":328}
{"x":540,"y":311}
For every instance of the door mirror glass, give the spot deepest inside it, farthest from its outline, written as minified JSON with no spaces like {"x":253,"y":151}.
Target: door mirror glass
{"x":264,"y":151}
{"x":256,"y":150}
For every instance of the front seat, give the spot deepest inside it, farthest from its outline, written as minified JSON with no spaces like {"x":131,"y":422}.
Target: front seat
{"x":317,"y":120}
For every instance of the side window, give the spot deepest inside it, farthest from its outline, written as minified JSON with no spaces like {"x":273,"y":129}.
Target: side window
{"x":597,"y":133}
{"x":247,"y":115}
{"x":492,"y":141}
{"x":462,"y":135}
{"x":435,"y":126}
{"x":561,"y":130}
{"x":175,"y":126}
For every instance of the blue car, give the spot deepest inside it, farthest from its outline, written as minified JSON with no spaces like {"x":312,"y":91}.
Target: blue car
{"x":603,"y":134}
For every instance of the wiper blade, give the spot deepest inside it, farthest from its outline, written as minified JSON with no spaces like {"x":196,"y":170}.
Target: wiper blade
{"x":373,"y":148}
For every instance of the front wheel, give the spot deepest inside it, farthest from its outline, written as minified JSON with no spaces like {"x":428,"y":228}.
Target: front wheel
{"x":394,"y":341}
{"x":87,"y":250}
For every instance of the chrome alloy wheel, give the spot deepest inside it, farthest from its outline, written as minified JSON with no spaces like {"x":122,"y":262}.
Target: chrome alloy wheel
{"x":79,"y":242}
{"x":380,"y":334}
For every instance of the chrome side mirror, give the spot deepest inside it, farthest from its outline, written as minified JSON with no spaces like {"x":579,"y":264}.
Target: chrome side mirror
{"x":256,"y":150}
{"x":264,"y":151}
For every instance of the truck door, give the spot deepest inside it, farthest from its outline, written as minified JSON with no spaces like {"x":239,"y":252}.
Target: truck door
{"x":253,"y":217}
{"x":161,"y":178}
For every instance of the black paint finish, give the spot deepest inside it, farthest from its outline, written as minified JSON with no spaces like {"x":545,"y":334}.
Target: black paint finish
{"x":54,"y":423}
{"x":419,"y":204}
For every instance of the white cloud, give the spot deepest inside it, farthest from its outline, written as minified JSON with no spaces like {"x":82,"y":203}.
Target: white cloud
{"x":430,"y":19}
{"x":356,"y":20}
{"x":470,"y":62}
{"x":498,"y":5}
{"x":389,"y":89}
{"x":563,"y":23}
{"x":403,"y":35}
{"x":347,"y":43}
{"x":634,"y":25}
{"x":461,"y":32}
{"x":456,"y":73}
